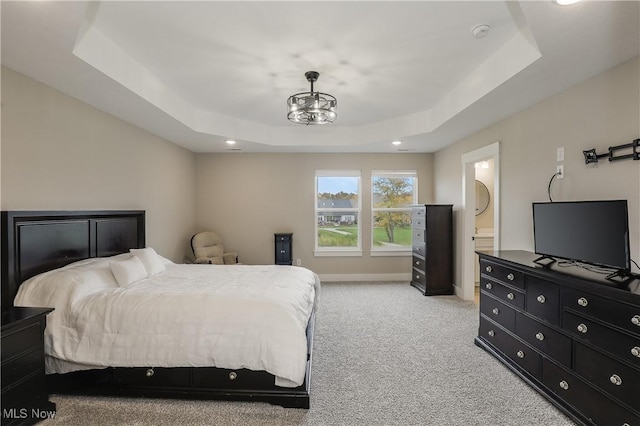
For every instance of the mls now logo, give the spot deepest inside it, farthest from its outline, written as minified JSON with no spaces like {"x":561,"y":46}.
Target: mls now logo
{"x":24,"y":413}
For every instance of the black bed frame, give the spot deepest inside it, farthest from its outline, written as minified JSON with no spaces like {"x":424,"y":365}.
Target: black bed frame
{"x":38,"y":241}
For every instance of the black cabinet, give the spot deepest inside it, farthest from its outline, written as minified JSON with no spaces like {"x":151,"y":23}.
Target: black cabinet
{"x":575,"y":339}
{"x":25,"y":399}
{"x":432,"y":245}
{"x":283,"y":249}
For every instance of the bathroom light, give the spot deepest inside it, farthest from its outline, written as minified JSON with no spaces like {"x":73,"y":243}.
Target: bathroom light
{"x":397,"y":142}
{"x":565,"y":2}
{"x":230,"y":142}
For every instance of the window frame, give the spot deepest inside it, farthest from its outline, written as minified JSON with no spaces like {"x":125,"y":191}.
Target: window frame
{"x":338,"y":251}
{"x":387,"y":251}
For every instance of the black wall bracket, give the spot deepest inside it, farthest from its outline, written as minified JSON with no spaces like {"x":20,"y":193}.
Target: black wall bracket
{"x":590,"y":156}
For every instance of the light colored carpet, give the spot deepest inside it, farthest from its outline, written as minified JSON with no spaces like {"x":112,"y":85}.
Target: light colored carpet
{"x":383,"y":355}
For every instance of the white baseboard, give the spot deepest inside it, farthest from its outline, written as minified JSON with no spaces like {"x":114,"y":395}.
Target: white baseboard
{"x":400,"y":276}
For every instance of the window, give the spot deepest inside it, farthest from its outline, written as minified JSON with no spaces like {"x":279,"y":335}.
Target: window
{"x":392,"y":194}
{"x":338,"y":208}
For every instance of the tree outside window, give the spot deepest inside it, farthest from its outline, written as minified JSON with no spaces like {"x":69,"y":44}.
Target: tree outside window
{"x":392,"y":194}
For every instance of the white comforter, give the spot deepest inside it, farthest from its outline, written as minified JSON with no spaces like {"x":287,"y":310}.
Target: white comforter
{"x":233,"y":317}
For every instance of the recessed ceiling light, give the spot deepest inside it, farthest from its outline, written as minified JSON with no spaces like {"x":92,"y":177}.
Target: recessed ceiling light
{"x":230,"y":142}
{"x":397,"y":142}
{"x":565,"y":2}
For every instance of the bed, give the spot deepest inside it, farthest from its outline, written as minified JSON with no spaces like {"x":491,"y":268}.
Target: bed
{"x":68,"y":250}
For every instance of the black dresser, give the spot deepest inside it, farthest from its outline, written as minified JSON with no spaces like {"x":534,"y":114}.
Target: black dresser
{"x":25,"y":399}
{"x":283,"y":249}
{"x":569,"y":333}
{"x":432,"y":244}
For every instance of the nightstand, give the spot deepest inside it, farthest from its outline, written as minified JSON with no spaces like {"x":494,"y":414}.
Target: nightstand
{"x":25,"y":400}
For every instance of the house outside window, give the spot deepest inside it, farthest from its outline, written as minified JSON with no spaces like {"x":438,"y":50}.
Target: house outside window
{"x":338,"y":208}
{"x":392,"y":194}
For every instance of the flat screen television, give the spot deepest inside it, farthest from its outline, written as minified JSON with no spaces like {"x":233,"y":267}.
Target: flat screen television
{"x":593,"y":232}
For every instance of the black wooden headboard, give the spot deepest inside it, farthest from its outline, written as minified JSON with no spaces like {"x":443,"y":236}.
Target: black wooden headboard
{"x":34,"y":242}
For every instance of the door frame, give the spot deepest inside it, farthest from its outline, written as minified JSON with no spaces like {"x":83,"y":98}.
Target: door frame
{"x":467,"y":289}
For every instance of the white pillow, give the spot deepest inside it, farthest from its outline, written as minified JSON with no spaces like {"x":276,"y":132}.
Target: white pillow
{"x":150,"y":259}
{"x":128,"y":271}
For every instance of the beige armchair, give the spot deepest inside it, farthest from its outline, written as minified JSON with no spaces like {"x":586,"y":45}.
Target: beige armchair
{"x":208,"y":248}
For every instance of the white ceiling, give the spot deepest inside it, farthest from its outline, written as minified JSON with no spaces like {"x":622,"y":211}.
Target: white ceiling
{"x":197,"y":73}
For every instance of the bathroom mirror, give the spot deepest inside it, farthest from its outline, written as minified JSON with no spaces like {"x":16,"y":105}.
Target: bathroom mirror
{"x":482,"y":197}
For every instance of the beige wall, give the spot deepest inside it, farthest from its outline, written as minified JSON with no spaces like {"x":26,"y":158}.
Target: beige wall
{"x":247,"y":198}
{"x":61,"y":154}
{"x":601,"y":112}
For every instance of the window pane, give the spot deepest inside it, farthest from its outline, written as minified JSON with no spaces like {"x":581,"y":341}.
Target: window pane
{"x":392,"y":229}
{"x":337,"y":229}
{"x":341,"y":192}
{"x":392,"y":192}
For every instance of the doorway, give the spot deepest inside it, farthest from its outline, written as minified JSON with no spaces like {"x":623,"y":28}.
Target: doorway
{"x":469,"y":204}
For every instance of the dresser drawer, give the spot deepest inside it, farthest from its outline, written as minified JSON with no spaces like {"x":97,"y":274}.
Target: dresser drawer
{"x":547,"y":340}
{"x":29,"y":393}
{"x":619,"y":344}
{"x":22,"y":339}
{"x":501,"y":273}
{"x":608,"y":374}
{"x":420,"y":248}
{"x":418,"y":235}
{"x":419,"y":263}
{"x":506,"y":294}
{"x":543,"y":300}
{"x":418,"y":277}
{"x":590,"y":402}
{"x":18,"y":368}
{"x":520,"y":353}
{"x":498,"y":311}
{"x":419,"y":217}
{"x":613,"y":312}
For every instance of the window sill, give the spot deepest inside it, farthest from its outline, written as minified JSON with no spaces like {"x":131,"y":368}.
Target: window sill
{"x":337,"y":253}
{"x":391,"y":253}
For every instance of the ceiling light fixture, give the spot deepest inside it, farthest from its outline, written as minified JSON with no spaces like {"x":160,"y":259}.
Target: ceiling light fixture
{"x":396,"y":142}
{"x":230,"y":142}
{"x":312,"y":107}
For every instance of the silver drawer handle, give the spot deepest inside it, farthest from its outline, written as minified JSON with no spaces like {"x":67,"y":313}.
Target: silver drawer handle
{"x":417,"y":263}
{"x":510,"y":277}
{"x":488,"y":268}
{"x":417,"y":277}
{"x":149,"y":372}
{"x":511,"y":296}
{"x":540,"y":336}
{"x":496,"y":311}
{"x":541,"y":299}
{"x":491,"y":333}
{"x":488,"y":286}
{"x":283,"y":251}
{"x":583,"y":302}
{"x":635,"y":351}
{"x":520,"y":354}
{"x":635,"y":320}
{"x":582,"y":328}
{"x":616,"y":380}
{"x":564,"y":385}
{"x":233,"y":375}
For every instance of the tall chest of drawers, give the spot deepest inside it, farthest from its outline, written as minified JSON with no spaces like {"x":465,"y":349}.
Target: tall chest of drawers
{"x":567,"y":332}
{"x":25,"y":399}
{"x":432,"y":244}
